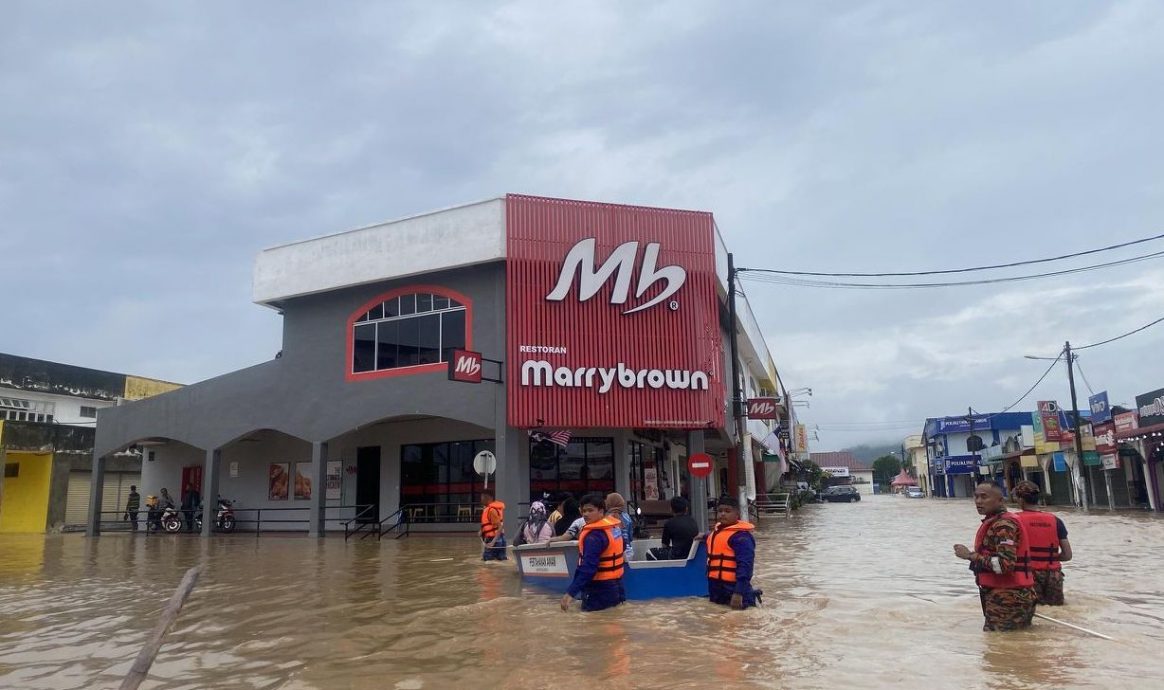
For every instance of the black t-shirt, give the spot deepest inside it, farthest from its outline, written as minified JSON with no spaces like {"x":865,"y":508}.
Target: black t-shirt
{"x":1060,"y":528}
{"x":678,"y":533}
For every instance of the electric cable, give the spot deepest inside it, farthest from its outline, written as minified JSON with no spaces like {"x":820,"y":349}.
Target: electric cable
{"x":1119,"y":337}
{"x":801,"y":282}
{"x":1090,"y":391}
{"x":1024,"y":395}
{"x":959,"y":270}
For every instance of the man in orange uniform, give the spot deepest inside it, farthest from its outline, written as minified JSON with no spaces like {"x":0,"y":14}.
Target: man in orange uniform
{"x":731,"y":557}
{"x":1000,"y":562}
{"x":492,"y":532}
{"x":598,"y":577}
{"x":1049,"y":545}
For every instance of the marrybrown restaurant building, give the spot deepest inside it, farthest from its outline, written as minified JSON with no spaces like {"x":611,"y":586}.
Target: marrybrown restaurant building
{"x":606,"y":323}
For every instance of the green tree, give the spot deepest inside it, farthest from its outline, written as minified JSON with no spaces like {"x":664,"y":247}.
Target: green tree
{"x":885,"y":468}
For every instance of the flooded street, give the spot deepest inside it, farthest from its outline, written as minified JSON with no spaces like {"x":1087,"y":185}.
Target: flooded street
{"x":856,"y":595}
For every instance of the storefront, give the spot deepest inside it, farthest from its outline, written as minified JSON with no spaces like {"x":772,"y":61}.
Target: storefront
{"x":1142,"y":432}
{"x":580,"y":343}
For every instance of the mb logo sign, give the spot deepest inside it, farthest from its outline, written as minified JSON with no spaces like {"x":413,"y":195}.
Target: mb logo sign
{"x":763,"y":408}
{"x":620,"y":265}
{"x":465,"y":366}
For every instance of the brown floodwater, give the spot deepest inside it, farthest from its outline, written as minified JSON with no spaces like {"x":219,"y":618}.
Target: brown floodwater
{"x":856,"y":595}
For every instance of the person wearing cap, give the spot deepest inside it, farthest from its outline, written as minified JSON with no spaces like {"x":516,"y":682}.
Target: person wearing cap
{"x":1048,"y":543}
{"x":731,"y":558}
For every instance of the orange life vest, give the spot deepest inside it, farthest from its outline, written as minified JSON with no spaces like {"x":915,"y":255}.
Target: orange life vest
{"x":488,"y":528}
{"x":1022,"y":576}
{"x":1043,"y":536}
{"x":721,"y":557}
{"x":612,"y":560}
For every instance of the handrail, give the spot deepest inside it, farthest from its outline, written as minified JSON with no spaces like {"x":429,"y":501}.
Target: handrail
{"x":401,"y":519}
{"x":361,"y":518}
{"x":258,"y":520}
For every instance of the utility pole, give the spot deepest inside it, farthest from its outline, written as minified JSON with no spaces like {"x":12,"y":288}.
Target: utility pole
{"x":1082,"y":482}
{"x":737,"y":396}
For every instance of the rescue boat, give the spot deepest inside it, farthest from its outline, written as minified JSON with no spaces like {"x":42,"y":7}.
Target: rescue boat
{"x":551,"y":567}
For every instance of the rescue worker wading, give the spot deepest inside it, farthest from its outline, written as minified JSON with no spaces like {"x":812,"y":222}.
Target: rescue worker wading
{"x":1001,"y":563}
{"x":598,"y":577}
{"x":492,"y":530}
{"x":1049,"y":546}
{"x":731,"y":556}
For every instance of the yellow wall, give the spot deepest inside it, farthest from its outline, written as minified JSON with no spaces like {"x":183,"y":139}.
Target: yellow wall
{"x":137,"y":387}
{"x":26,"y":497}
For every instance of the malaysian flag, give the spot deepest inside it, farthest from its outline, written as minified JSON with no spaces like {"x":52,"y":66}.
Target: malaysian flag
{"x":558,"y":438}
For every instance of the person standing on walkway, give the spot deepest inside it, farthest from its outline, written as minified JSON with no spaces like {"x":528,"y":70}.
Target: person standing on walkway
{"x":492,"y":528}
{"x":598,"y":577}
{"x":1049,"y":545}
{"x":731,"y":558}
{"x":1000,"y":562}
{"x":190,"y":502}
{"x":132,"y":507}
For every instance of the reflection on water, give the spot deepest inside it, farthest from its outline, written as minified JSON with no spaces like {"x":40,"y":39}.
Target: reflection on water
{"x":861,"y":595}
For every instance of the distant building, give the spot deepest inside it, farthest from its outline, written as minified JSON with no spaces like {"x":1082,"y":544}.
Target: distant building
{"x":914,"y":447}
{"x":845,"y":468}
{"x":48,"y":414}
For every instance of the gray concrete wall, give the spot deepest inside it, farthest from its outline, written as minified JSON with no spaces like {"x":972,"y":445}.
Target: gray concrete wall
{"x":305,"y":393}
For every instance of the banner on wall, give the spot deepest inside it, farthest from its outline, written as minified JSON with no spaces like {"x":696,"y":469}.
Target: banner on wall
{"x":334,"y":491}
{"x":1060,"y":462}
{"x":1100,"y":409}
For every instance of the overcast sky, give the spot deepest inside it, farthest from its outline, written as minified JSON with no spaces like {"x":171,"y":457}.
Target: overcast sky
{"x":149,"y":151}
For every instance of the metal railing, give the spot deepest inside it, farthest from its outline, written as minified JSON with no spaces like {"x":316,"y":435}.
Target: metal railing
{"x":364,"y":519}
{"x":242,"y":516}
{"x":401,"y":524}
{"x":768,"y":505}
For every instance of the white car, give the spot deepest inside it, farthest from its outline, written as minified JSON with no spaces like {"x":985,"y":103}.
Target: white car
{"x":914,"y":492}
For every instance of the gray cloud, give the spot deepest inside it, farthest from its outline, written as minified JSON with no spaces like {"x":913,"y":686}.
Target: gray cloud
{"x":147,"y":152}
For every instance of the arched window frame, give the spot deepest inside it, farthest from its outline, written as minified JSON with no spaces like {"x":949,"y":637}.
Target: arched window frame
{"x":352,"y":375}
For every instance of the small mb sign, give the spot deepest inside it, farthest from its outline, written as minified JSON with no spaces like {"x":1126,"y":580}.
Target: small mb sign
{"x":763,"y":408}
{"x":465,"y":366}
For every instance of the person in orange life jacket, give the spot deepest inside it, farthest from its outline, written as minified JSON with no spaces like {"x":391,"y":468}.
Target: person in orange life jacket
{"x":598,"y":577}
{"x":731,"y":557}
{"x":1000,"y":562}
{"x":492,"y":532}
{"x":1049,"y":545}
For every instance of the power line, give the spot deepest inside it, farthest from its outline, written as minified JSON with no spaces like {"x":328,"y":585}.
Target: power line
{"x":1085,"y":381}
{"x":1118,"y":337}
{"x":802,"y":282}
{"x":958,"y":270}
{"x":1029,"y":390}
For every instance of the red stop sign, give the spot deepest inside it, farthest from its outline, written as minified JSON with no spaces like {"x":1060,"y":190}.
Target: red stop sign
{"x":699,"y":465}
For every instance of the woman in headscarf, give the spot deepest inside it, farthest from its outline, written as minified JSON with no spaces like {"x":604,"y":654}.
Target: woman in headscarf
{"x":537,"y":526}
{"x":616,"y":507}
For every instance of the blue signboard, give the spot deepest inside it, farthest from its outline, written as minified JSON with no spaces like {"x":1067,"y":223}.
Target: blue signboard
{"x":1060,"y":462}
{"x":952,"y":425}
{"x":961,"y":464}
{"x":1100,"y":409}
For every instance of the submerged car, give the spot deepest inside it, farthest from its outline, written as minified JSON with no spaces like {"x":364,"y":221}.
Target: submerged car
{"x":841,"y":494}
{"x":914,"y":492}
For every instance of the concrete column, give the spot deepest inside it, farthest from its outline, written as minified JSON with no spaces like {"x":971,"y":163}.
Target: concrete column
{"x":210,"y":470}
{"x":96,"y":486}
{"x":315,"y":525}
{"x":1110,"y":495}
{"x":622,"y":469}
{"x":698,"y":485}
{"x":511,"y":481}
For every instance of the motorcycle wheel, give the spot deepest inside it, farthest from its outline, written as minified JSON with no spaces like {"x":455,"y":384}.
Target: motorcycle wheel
{"x":171,"y":524}
{"x":228,"y":525}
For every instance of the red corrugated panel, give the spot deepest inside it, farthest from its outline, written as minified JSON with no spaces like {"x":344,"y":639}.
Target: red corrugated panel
{"x":680,"y":334}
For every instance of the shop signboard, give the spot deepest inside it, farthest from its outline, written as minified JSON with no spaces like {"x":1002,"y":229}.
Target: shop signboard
{"x":612,"y":316}
{"x":1151,"y":407}
{"x":801,"y":443}
{"x":1110,"y":461}
{"x":953,"y":425}
{"x":1060,"y":462}
{"x":1100,"y":409}
{"x":1049,"y":414}
{"x":961,"y":464}
{"x":1091,"y":458}
{"x":1086,"y":437}
{"x":763,"y":408}
{"x":1126,"y":421}
{"x":1105,"y":442}
{"x":837,"y":471}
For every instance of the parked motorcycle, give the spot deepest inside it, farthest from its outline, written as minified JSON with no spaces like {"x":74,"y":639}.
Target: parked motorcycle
{"x":223,"y":519}
{"x":171,"y":520}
